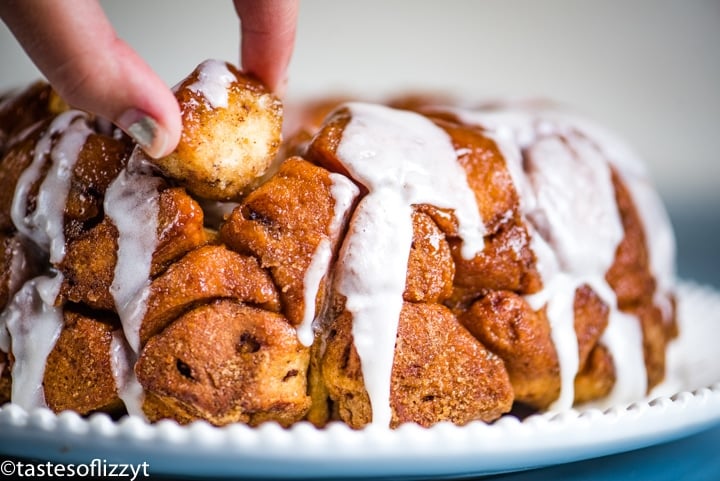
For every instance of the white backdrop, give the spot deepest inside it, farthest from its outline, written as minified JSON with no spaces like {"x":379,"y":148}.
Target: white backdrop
{"x":650,"y":69}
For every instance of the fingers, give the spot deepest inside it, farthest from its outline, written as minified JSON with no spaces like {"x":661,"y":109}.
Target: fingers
{"x":76,"y":48}
{"x":267,"y":37}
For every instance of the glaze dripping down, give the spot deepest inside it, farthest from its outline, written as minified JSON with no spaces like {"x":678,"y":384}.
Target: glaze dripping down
{"x":403,"y":159}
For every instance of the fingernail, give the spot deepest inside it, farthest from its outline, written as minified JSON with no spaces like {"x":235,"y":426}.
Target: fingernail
{"x":144,"y":130}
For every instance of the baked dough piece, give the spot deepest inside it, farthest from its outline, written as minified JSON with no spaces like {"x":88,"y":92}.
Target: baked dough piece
{"x":79,"y":371}
{"x":225,"y":362}
{"x":231,"y":132}
{"x":21,"y":110}
{"x":89,"y":264}
{"x":284,"y":222}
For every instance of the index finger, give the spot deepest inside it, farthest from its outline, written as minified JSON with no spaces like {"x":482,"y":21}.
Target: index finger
{"x":267,"y":38}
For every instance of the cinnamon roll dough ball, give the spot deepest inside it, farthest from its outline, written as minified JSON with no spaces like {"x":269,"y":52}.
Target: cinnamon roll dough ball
{"x":231,"y":132}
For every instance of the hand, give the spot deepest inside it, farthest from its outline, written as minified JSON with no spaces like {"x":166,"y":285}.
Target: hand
{"x":76,"y":48}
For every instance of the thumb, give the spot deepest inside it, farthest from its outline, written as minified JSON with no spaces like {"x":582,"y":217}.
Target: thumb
{"x":76,"y":48}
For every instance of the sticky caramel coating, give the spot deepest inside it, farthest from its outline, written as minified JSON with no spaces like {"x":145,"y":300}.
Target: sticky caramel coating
{"x":629,"y":275}
{"x":78,"y":372}
{"x":506,"y":263}
{"x":431,"y":268}
{"x":20,"y":260}
{"x":13,"y":163}
{"x":440,"y":372}
{"x":20,"y":110}
{"x":656,"y":335}
{"x":5,"y":378}
{"x":596,"y":370}
{"x":303,"y":120}
{"x":325,"y":143}
{"x":281,"y":223}
{"x":591,"y":319}
{"x":597,"y":377}
{"x":222,"y":150}
{"x":99,"y":162}
{"x":226,"y":362}
{"x":204,"y":274}
{"x":506,"y":324}
{"x":89,"y":264}
{"x":631,"y":279}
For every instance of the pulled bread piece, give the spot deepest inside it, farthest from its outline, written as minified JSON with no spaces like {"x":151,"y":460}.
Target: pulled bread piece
{"x":231,"y":132}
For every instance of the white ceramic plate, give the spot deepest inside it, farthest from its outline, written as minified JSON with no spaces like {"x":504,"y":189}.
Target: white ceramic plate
{"x":687,"y":402}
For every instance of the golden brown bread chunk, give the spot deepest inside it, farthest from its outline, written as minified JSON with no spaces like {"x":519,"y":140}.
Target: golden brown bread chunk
{"x":631,"y":279}
{"x":431,"y":268}
{"x":99,"y":161}
{"x":12,"y":165}
{"x":506,"y":263}
{"x":226,"y":362}
{"x":89,"y":264}
{"x":20,"y":110}
{"x":303,"y":120}
{"x":5,"y":378}
{"x":440,"y":372}
{"x":79,"y":372}
{"x":656,"y":336}
{"x":595,"y":380}
{"x":231,"y":132}
{"x":202,"y":275}
{"x":591,"y":319}
{"x":19,"y":261}
{"x":506,"y":324}
{"x":629,"y":275}
{"x":324,"y":144}
{"x":281,"y":223}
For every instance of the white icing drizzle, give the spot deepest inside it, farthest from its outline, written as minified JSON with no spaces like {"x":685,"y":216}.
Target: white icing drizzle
{"x":45,"y":224}
{"x":214,"y":80}
{"x":558,"y":295}
{"x":575,"y":229}
{"x":403,"y":159}
{"x":129,"y":389}
{"x":33,"y":323}
{"x":576,"y":214}
{"x":131,"y":203}
{"x":624,"y":335}
{"x":344,"y":192}
{"x":314,"y":275}
{"x":660,"y":239}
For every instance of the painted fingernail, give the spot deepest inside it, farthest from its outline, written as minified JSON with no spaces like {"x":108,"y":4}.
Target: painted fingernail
{"x":144,"y":130}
